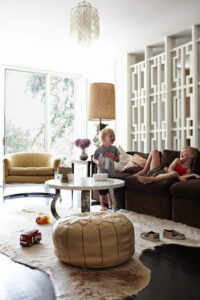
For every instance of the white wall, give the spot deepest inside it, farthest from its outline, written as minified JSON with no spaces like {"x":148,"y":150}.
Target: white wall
{"x":123,"y":95}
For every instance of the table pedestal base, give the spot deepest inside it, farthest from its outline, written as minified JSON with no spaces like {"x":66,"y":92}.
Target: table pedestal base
{"x":114,"y":204}
{"x":85,"y":202}
{"x":53,"y":204}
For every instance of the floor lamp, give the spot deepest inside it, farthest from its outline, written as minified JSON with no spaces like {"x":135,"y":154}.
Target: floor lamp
{"x":101,"y":105}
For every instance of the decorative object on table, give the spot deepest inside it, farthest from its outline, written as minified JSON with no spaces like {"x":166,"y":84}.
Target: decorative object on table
{"x":100,"y":177}
{"x":114,"y":233}
{"x":101,"y":106}
{"x":71,"y":177}
{"x":84,"y":23}
{"x":28,"y":238}
{"x":43,"y":220}
{"x":64,"y":171}
{"x":83,"y":143}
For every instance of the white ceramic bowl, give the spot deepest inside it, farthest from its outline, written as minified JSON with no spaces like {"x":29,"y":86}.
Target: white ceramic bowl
{"x":100,"y":177}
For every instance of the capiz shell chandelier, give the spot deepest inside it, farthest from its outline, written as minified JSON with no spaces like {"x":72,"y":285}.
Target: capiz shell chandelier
{"x":84,"y":23}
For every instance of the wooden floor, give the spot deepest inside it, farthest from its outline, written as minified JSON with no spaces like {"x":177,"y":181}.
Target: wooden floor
{"x":175,"y":273}
{"x":19,"y":282}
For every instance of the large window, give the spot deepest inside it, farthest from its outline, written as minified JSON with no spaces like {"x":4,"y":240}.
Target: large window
{"x":24,"y":112}
{"x":40,"y":113}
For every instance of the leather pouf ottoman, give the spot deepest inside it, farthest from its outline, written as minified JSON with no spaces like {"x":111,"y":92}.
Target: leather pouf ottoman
{"x":94,"y":240}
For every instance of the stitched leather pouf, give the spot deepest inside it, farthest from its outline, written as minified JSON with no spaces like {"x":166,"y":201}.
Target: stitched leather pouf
{"x":94,"y":240}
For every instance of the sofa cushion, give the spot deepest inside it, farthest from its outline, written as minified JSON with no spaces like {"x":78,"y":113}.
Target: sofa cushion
{"x":144,"y":155}
{"x":132,"y":168}
{"x":30,"y":159}
{"x":186,"y":189}
{"x":27,"y":179}
{"x":139,"y":160}
{"x":31,"y":171}
{"x":122,"y":176}
{"x":168,"y":157}
{"x":160,"y":187}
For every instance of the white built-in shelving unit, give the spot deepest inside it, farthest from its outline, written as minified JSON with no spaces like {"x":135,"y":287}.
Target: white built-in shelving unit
{"x":164,"y":96}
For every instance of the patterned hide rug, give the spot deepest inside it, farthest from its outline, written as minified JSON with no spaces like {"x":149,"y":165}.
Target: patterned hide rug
{"x":79,"y":283}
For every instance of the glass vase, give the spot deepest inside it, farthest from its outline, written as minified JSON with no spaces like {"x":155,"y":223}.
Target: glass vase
{"x":83,"y":155}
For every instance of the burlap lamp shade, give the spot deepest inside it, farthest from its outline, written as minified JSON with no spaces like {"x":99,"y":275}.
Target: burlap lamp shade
{"x":101,"y":102}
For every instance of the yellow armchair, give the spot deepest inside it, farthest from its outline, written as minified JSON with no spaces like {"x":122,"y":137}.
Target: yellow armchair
{"x":29,"y":167}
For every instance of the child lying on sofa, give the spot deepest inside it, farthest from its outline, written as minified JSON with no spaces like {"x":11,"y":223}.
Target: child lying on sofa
{"x":181,"y":168}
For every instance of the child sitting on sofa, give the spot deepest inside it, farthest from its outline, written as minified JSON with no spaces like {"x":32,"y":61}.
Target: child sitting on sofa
{"x":181,"y":168}
{"x":104,"y":157}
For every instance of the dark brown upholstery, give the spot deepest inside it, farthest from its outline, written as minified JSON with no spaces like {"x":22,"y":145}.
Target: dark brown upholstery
{"x":186,"y":202}
{"x":188,"y":189}
{"x":147,"y":203}
{"x":168,"y":156}
{"x":151,"y":199}
{"x":197,"y":167}
{"x":170,"y":199}
{"x":161,"y":187}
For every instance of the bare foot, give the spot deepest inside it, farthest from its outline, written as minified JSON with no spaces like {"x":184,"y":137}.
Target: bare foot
{"x":103,"y":208}
{"x":144,"y":179}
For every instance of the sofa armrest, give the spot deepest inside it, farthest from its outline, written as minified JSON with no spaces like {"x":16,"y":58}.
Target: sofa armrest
{"x":186,"y":189}
{"x":56,"y":163}
{"x":6,"y":167}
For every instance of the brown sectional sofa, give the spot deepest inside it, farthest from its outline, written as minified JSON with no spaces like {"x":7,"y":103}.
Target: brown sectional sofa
{"x":168,"y":199}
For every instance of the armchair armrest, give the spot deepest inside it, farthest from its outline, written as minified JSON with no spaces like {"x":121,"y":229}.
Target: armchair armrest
{"x":6,"y":166}
{"x":56,"y":163}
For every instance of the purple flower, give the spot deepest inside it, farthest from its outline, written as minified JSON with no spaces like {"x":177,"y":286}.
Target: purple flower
{"x":82,"y":143}
{"x":77,"y":142}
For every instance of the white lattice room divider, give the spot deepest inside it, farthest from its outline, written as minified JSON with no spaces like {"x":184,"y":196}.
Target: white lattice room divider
{"x":138,"y":101}
{"x":165,"y":96}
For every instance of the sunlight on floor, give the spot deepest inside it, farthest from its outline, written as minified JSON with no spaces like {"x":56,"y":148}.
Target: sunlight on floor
{"x":68,"y":200}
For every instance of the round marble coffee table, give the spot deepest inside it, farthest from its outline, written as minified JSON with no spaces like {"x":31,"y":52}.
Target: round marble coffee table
{"x":85,"y":185}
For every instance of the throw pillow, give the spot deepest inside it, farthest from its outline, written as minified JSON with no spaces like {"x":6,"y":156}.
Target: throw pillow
{"x":139,"y":160}
{"x":124,"y":159}
{"x":132,"y":168}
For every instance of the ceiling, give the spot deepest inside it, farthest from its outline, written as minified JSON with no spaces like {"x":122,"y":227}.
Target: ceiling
{"x":38,"y":30}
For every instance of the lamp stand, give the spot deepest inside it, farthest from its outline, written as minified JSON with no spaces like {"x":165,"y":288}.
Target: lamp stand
{"x":100,"y":127}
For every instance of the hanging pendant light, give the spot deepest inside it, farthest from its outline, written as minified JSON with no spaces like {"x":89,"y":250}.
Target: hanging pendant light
{"x":84,"y":23}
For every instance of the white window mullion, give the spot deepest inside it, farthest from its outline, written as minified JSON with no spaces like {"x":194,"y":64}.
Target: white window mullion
{"x":46,"y":113}
{"x":2,"y":117}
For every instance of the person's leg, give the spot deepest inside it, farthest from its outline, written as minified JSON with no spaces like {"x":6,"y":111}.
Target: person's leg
{"x":102,"y":202}
{"x":155,"y":159}
{"x":145,"y":180}
{"x":102,"y":194}
{"x":152,"y":162}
